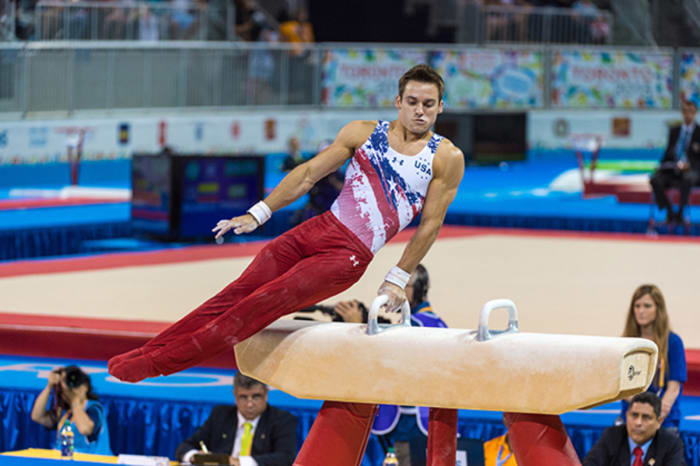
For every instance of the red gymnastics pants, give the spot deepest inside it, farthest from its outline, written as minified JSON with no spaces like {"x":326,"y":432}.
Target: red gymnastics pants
{"x":312,"y":262}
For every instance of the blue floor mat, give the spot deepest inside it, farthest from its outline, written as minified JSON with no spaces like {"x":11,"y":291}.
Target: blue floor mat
{"x":515,"y":194}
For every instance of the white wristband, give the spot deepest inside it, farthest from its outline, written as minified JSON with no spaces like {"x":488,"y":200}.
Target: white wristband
{"x":398,"y":276}
{"x":260,"y":212}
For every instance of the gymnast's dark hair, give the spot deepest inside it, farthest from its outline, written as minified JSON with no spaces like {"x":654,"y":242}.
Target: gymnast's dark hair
{"x":421,"y":283}
{"x":425,"y":74}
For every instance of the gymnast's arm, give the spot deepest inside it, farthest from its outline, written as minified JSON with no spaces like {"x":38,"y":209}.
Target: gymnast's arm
{"x":300,"y":180}
{"x":448,"y":169}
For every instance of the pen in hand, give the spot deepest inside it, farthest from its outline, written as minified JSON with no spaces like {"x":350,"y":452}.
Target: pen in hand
{"x":204,"y":447}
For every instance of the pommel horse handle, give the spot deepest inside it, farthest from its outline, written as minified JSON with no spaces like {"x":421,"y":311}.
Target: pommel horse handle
{"x":483,"y":333}
{"x":373,"y":327}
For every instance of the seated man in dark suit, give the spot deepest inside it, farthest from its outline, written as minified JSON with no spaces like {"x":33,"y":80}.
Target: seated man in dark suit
{"x":680,"y":166}
{"x":252,"y":433}
{"x":641,"y":441}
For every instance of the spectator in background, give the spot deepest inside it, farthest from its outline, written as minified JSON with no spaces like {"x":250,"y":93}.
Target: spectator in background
{"x":680,"y":165}
{"x":294,"y":157}
{"x":25,"y":19}
{"x":508,"y":23}
{"x":185,"y":19}
{"x":296,"y":30}
{"x":594,"y":24}
{"x":217,"y":18}
{"x":7,"y":20}
{"x":498,"y":452}
{"x":352,"y":311}
{"x":252,"y":432}
{"x":115,"y":22}
{"x":640,"y":441}
{"x":145,"y":22}
{"x":422,"y":314}
{"x":647,"y":317}
{"x":73,"y":402}
{"x":250,"y":21}
{"x":263,"y":75}
{"x":585,"y":7}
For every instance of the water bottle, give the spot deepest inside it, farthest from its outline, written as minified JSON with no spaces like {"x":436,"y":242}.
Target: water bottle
{"x":390,"y":458}
{"x":67,"y":439}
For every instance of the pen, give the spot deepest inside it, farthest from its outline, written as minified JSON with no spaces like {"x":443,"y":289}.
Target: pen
{"x":204,"y":447}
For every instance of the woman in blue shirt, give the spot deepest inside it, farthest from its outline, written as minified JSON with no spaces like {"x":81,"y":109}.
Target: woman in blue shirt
{"x":647,"y":318}
{"x":73,"y":400}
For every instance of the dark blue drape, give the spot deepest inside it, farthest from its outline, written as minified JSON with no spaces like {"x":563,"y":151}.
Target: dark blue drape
{"x":56,"y":240}
{"x":156,"y":427}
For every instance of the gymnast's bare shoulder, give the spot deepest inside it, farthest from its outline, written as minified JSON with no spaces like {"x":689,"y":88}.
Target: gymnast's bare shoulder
{"x":354,"y":134}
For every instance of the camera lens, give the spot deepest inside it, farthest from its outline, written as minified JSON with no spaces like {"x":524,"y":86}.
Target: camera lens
{"x":74,"y":377}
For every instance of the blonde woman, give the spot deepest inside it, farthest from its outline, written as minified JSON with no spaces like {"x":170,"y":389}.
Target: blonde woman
{"x":648,"y":318}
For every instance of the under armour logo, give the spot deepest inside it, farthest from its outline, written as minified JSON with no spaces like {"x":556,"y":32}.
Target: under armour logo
{"x":354,"y":261}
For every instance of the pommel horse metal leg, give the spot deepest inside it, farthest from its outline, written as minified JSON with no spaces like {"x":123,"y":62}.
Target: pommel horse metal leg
{"x":338,"y":436}
{"x":540,"y":440}
{"x":442,"y":437}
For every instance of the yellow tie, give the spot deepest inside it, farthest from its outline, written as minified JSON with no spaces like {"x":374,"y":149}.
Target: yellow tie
{"x":246,"y":439}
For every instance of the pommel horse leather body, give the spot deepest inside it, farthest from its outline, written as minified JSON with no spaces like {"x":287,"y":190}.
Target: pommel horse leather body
{"x":448,"y":368}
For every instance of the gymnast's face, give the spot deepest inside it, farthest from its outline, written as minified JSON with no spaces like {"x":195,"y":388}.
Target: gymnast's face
{"x":419,"y":106}
{"x":251,"y":402}
{"x":645,"y":311}
{"x":642,"y":422}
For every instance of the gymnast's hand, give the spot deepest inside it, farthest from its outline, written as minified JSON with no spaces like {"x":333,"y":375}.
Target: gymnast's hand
{"x":396,"y":295}
{"x":242,"y":224}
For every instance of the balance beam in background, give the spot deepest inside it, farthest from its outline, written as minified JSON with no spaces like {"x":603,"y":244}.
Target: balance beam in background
{"x":448,"y":368}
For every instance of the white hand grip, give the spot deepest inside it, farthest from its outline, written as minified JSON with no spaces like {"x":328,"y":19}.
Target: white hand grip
{"x":484,"y":333}
{"x":373,"y":327}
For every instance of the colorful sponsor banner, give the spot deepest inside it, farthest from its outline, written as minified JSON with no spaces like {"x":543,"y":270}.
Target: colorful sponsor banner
{"x":354,"y":77}
{"x":597,"y":79}
{"x":689,"y":83}
{"x":493,"y":79}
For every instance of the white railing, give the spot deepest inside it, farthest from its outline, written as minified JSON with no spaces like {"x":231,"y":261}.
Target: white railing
{"x":131,"y":20}
{"x":58,"y":76}
{"x":7,"y":20}
{"x":545,"y":25}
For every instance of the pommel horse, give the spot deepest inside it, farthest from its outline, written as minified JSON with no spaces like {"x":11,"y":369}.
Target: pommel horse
{"x":531,"y":377}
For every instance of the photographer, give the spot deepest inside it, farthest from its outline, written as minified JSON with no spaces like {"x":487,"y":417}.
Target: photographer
{"x":72,"y":398}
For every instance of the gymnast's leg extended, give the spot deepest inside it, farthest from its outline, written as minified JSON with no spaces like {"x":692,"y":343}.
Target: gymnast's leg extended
{"x":290,"y":273}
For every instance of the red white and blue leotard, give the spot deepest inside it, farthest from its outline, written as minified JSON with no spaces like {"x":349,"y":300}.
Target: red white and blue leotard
{"x":384,"y":190}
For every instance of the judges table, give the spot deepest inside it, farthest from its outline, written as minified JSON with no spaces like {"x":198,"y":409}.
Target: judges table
{"x":40,"y":456}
